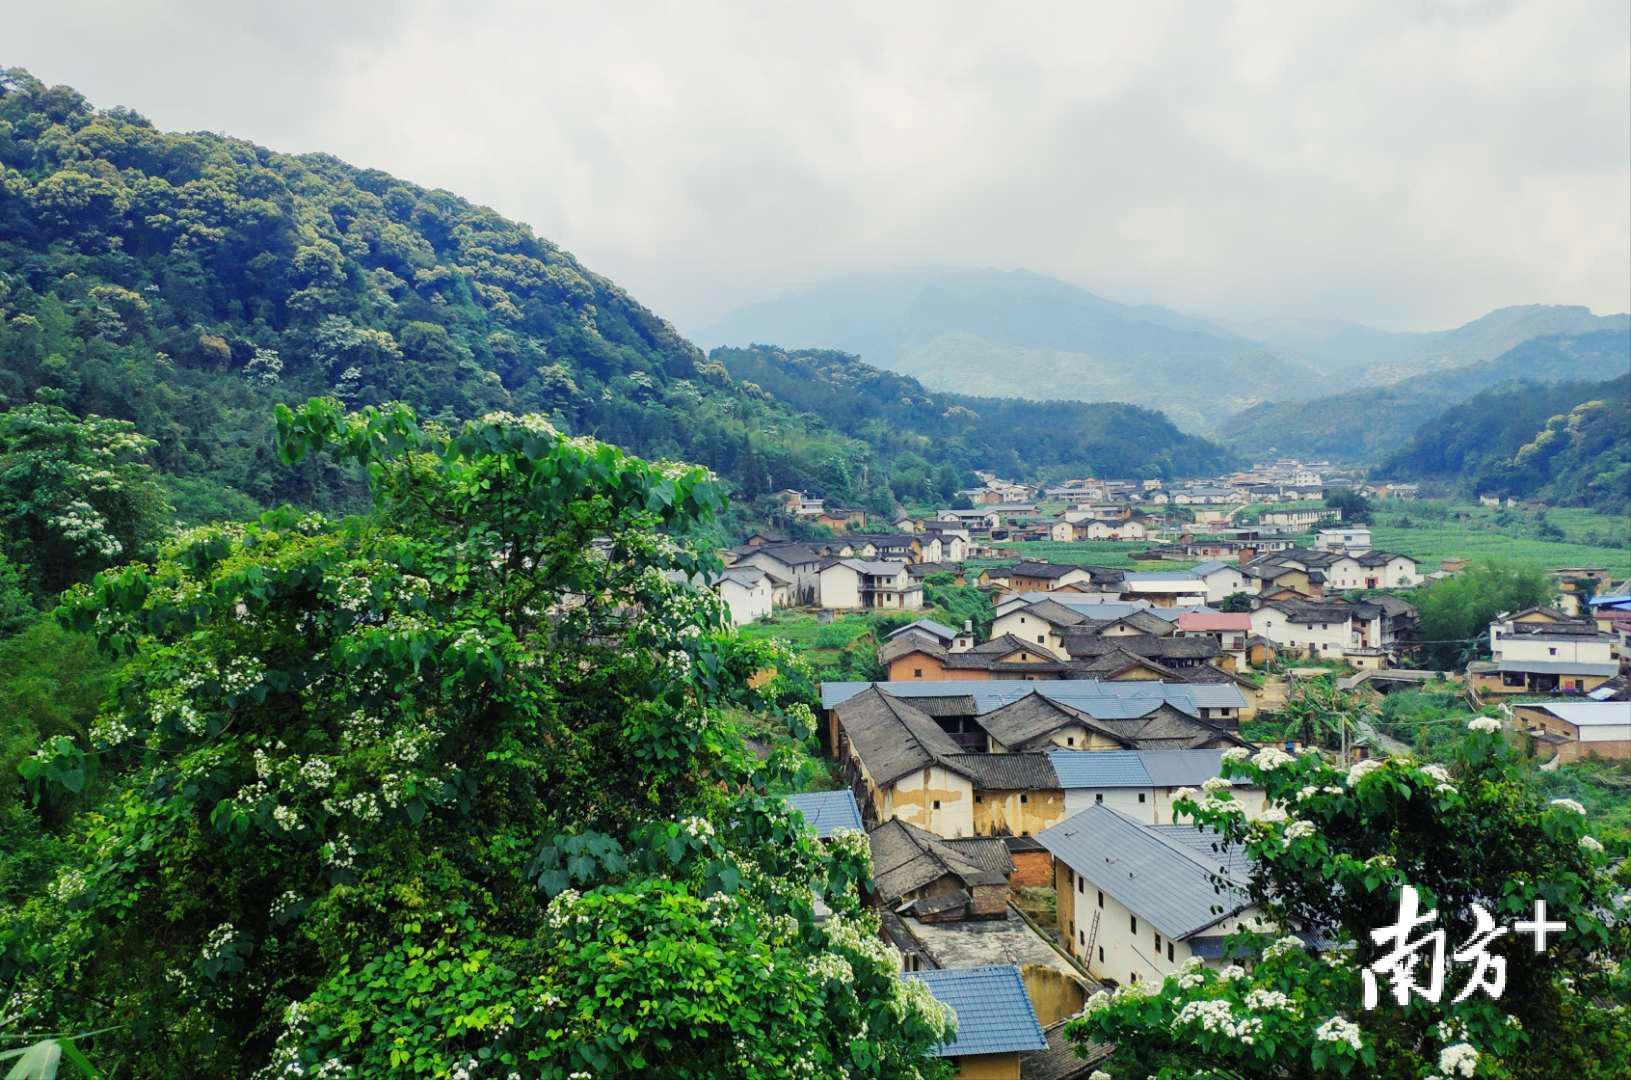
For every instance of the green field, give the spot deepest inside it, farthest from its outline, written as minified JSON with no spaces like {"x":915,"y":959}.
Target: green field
{"x":1431,"y":531}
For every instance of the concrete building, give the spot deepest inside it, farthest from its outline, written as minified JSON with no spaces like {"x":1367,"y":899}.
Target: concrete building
{"x":1136,"y":901}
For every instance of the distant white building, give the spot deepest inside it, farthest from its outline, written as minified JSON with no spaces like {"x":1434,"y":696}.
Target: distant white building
{"x":1355,"y":539}
{"x":748,"y":593}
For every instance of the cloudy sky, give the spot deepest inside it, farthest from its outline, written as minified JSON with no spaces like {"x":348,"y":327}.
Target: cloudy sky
{"x":1407,"y":165}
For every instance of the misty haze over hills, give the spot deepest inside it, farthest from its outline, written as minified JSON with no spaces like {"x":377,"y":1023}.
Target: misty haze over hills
{"x":1020,"y":334}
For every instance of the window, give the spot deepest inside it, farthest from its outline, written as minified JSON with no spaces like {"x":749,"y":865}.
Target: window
{"x":1101,"y":954}
{"x":1024,"y":656}
{"x":1140,"y":796}
{"x":1551,"y":650}
{"x":1081,"y":887}
{"x":1070,"y":740}
{"x":917,"y":673}
{"x":1169,"y":951}
{"x":1157,"y":942}
{"x":1098,"y":796}
{"x":937,"y":804}
{"x":1101,"y":897}
{"x":1024,"y":798}
{"x":1134,"y":920}
{"x":979,"y":798}
{"x":1133,"y":977}
{"x":1081,"y":938}
{"x":1039,"y":638}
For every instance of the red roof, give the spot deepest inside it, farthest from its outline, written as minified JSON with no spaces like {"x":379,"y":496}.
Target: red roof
{"x":1214,"y":620}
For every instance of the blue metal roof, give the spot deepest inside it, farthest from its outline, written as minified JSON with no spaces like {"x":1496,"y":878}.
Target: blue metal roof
{"x":827,"y":811}
{"x":994,"y":1014}
{"x":1099,"y":768}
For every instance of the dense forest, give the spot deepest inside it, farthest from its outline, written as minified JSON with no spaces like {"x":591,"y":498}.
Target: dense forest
{"x":1369,"y":424}
{"x":1565,"y":444}
{"x":188,"y":282}
{"x":1016,"y":437}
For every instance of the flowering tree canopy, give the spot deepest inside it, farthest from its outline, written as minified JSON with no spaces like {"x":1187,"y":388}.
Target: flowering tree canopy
{"x":1333,"y":853}
{"x":75,"y":494}
{"x":450,"y":789}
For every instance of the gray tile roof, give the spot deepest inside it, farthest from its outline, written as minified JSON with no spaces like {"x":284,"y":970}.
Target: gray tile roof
{"x":1007,"y":772}
{"x":989,"y":853}
{"x":994,"y":1014}
{"x":1098,"y":699}
{"x":828,"y":811}
{"x":905,"y":858}
{"x":891,"y":737}
{"x":1033,"y":717}
{"x":1099,"y":769}
{"x":1060,"y":1061}
{"x":1160,"y":879}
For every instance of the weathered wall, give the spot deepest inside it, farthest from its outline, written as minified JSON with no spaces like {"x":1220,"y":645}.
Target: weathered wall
{"x":1002,"y":813}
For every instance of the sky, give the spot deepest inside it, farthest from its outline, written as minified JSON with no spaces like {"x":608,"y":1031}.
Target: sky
{"x":1405,"y":165}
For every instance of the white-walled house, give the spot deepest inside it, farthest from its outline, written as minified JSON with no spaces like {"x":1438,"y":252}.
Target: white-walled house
{"x":1136,"y":901}
{"x":1140,"y":783}
{"x":1373,"y":570}
{"x":747,"y":592}
{"x":1221,"y":579}
{"x":1354,"y":539}
{"x":1322,"y":631}
{"x":838,"y":586}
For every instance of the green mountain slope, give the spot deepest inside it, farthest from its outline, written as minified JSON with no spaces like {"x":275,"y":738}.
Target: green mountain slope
{"x":1013,"y":436}
{"x":1018,"y":334}
{"x":189,"y":281}
{"x":1369,"y":424}
{"x":1568,"y":444}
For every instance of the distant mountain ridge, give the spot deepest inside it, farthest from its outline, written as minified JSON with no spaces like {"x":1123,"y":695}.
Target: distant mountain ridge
{"x":1370,"y":423}
{"x":1014,"y":333}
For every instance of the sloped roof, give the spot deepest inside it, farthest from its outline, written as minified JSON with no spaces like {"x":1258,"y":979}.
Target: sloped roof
{"x":1157,"y":877}
{"x":891,"y":737}
{"x":1033,"y":717}
{"x":905,"y":858}
{"x":935,"y":629}
{"x":1097,"y":698}
{"x":1556,"y":667}
{"x":1036,"y":569}
{"x":994,"y":1014}
{"x":1215,"y":620}
{"x":990,"y":853}
{"x":1060,"y":1061}
{"x":1007,"y":772}
{"x":827,"y":811}
{"x":1586,"y":713}
{"x":1081,"y":645}
{"x":1157,"y":768}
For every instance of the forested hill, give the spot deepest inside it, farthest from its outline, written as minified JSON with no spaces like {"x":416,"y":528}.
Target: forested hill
{"x":188,"y":282}
{"x":927,"y":431}
{"x":1370,"y":424}
{"x":1566,"y":444}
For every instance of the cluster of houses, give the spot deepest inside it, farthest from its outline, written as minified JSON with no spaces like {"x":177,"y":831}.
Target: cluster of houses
{"x":1543,"y":650}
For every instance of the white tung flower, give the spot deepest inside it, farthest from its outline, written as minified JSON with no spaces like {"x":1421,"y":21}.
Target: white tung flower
{"x":1362,"y":770}
{"x":1591,"y":843}
{"x":1483,"y":723}
{"x":1272,"y":757}
{"x":1339,"y":1030}
{"x":1236,"y":753}
{"x":1460,"y":1059}
{"x":1570,"y":804}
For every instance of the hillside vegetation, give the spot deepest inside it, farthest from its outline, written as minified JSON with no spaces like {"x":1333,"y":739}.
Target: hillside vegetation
{"x":1565,"y":444}
{"x":1016,"y":437}
{"x":1369,"y":424}
{"x":189,"y":282}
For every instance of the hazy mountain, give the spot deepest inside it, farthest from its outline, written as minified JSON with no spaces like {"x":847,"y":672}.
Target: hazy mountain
{"x":1013,"y":333}
{"x":1369,"y":423}
{"x":1019,"y":334}
{"x":1362,"y":355}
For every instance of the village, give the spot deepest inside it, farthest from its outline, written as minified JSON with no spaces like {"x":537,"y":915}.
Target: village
{"x":1016,"y":781}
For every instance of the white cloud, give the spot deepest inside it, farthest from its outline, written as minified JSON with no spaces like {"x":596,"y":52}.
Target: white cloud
{"x":1411,"y":168}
